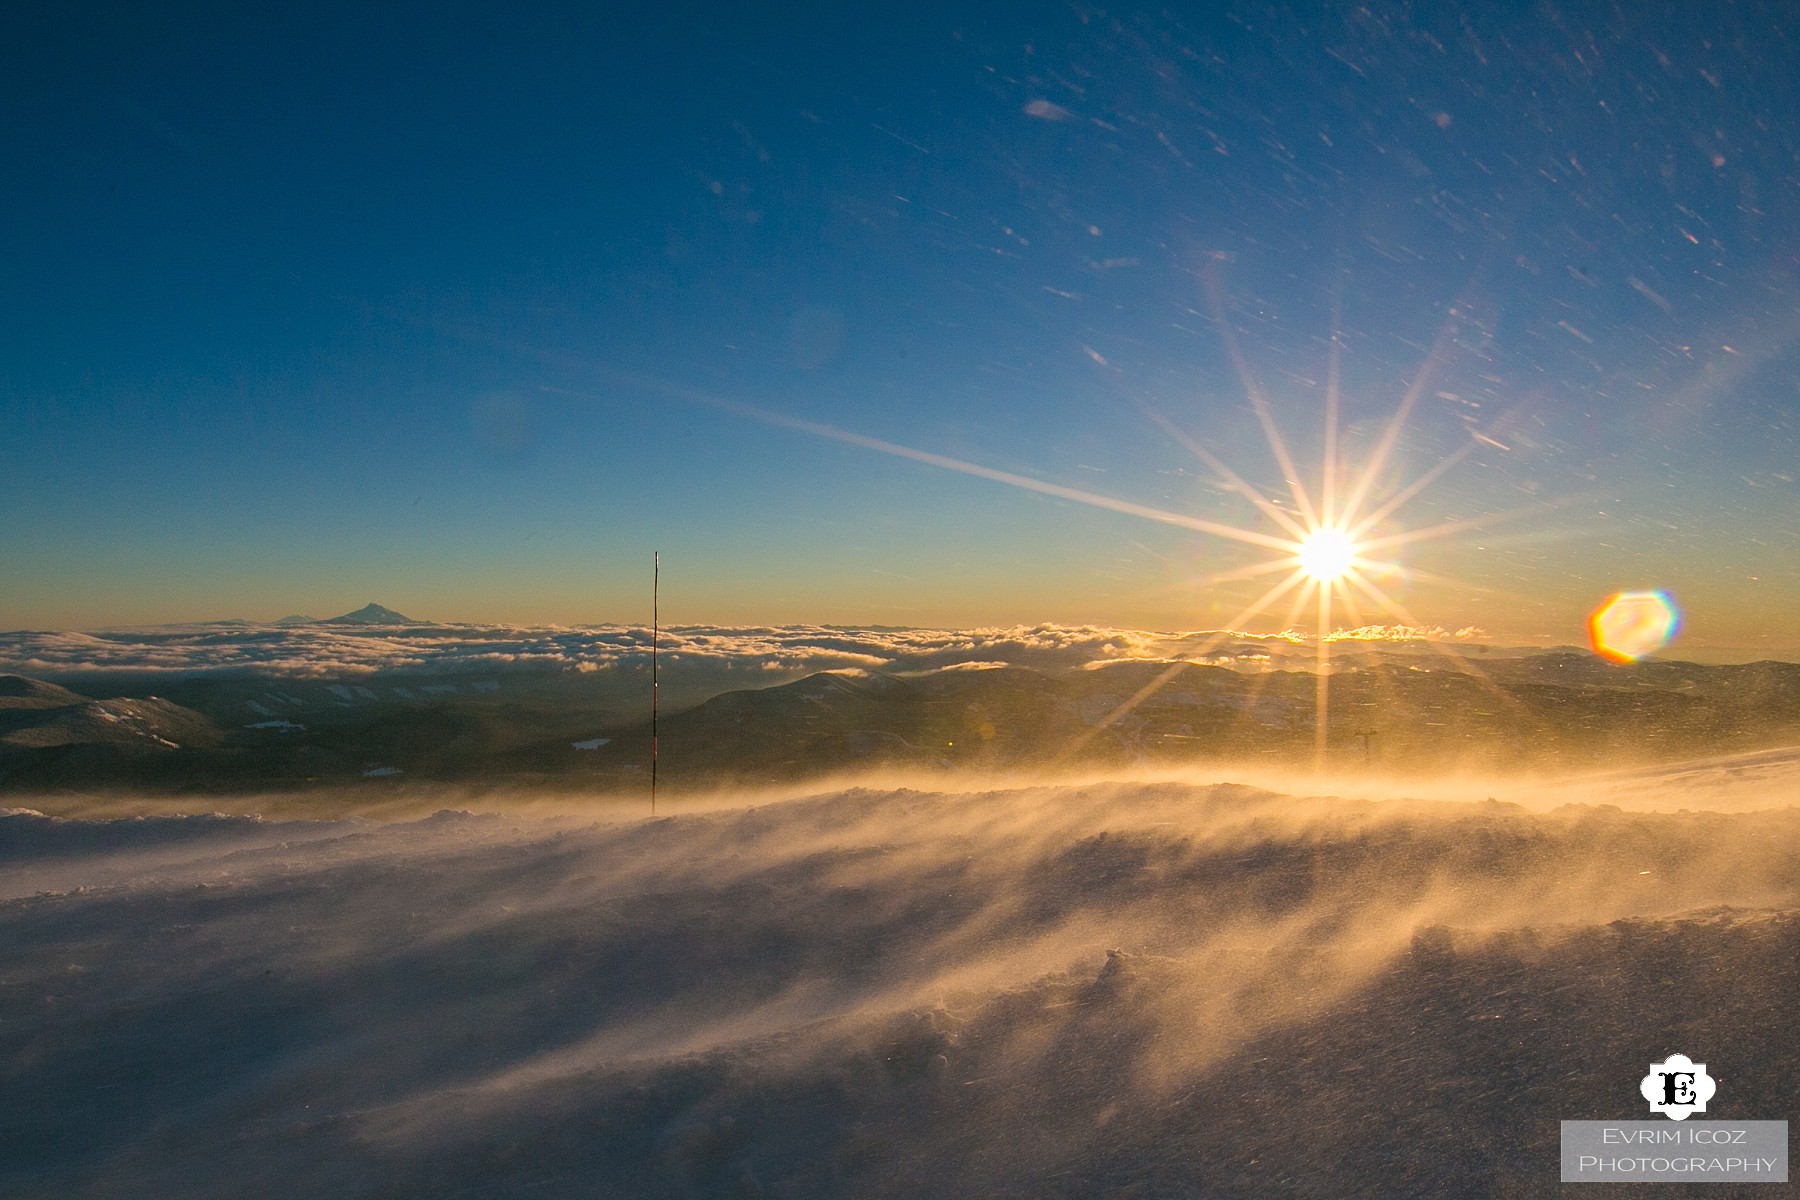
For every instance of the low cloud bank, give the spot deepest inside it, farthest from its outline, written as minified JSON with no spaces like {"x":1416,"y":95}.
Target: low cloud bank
{"x":1407,"y":633}
{"x":321,"y":651}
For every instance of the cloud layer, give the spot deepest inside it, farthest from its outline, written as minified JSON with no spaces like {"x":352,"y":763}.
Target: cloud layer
{"x":323,"y":651}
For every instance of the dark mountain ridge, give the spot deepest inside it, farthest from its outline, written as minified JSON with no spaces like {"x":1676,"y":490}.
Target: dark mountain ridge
{"x":570,"y":730}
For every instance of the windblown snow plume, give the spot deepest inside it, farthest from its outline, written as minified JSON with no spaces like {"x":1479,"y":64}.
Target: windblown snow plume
{"x":1072,"y":990}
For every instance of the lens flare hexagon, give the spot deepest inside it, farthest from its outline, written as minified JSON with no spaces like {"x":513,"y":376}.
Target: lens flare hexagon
{"x":1630,"y":625}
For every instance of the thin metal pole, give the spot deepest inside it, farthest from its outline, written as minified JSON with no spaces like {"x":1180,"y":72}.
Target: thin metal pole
{"x":656,"y":626}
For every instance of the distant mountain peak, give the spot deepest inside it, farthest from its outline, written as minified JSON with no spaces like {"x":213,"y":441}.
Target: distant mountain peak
{"x":298,"y":619}
{"x":371,"y":614}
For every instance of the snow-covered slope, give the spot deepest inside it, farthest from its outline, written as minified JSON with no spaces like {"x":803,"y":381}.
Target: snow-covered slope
{"x":1072,"y":990}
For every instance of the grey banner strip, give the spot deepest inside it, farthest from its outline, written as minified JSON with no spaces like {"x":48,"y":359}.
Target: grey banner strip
{"x":1674,"y":1151}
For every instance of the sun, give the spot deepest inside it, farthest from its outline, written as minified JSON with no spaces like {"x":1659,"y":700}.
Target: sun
{"x":1326,"y":554}
{"x":1325,"y":545}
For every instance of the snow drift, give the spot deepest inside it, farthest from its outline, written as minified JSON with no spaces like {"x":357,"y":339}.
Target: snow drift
{"x":1068,"y":990}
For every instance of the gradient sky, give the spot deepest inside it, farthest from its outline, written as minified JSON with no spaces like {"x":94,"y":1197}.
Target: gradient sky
{"x":459,"y":308}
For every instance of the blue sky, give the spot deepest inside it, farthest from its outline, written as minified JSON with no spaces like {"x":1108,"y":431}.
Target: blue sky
{"x":449,"y":306}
